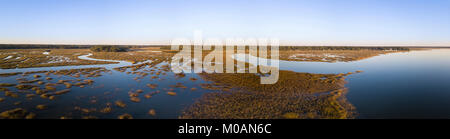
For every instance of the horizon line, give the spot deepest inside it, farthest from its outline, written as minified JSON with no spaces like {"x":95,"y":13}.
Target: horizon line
{"x":155,"y":45}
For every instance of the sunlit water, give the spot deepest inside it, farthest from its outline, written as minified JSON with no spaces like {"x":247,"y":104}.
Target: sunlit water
{"x":399,"y":85}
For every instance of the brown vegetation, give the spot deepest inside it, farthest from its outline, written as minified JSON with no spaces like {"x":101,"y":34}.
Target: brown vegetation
{"x":331,"y":55}
{"x":27,"y":58}
{"x":301,"y":94}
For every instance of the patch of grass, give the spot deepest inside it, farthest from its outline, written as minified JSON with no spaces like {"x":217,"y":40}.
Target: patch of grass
{"x":132,"y":56}
{"x":18,"y":113}
{"x":152,"y":112}
{"x":9,"y":74}
{"x":62,"y":92}
{"x":29,"y":81}
{"x":28,"y":58}
{"x":6,"y":85}
{"x":41,"y":107}
{"x":24,"y":86}
{"x":125,"y":116}
{"x":108,"y":49}
{"x":331,"y":55}
{"x":120,"y":103}
{"x":172,"y":93}
{"x":296,"y":95}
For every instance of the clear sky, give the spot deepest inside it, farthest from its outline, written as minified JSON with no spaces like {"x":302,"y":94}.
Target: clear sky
{"x":301,"y":22}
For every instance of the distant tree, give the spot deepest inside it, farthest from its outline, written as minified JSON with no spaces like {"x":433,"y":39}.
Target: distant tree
{"x":108,"y":49}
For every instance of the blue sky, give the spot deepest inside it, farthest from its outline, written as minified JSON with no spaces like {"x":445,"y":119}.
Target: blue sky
{"x":301,"y":22}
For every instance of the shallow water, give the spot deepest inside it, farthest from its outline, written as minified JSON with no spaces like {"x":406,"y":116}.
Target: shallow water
{"x":108,"y":88}
{"x":397,"y":85}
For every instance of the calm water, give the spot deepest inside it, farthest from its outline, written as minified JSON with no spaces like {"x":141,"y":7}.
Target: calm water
{"x":108,"y":88}
{"x":414,"y":84}
{"x":403,"y":85}
{"x":400,"y":85}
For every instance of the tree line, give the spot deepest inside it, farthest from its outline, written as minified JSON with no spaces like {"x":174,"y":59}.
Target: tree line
{"x":165,"y":47}
{"x":54,"y":46}
{"x":109,"y":49}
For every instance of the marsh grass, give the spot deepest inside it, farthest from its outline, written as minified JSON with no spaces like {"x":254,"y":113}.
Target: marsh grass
{"x":120,"y":103}
{"x":125,"y":116}
{"x":6,"y":85}
{"x":134,"y":55}
{"x":296,"y":95}
{"x":27,"y":58}
{"x":52,"y":85}
{"x":152,"y":112}
{"x":18,"y":113}
{"x":9,"y":74}
{"x":172,"y":93}
{"x":26,"y":89}
{"x":331,"y":55}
